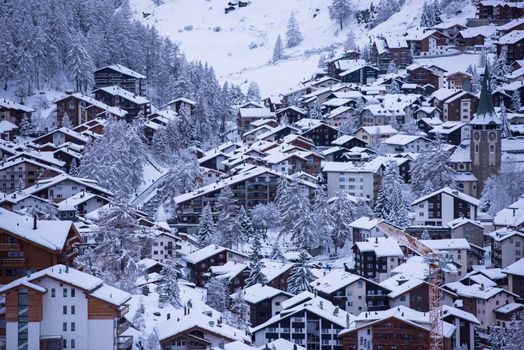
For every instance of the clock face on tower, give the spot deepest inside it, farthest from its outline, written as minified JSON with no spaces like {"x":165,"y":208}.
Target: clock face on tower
{"x":492,"y":136}
{"x":476,"y":135}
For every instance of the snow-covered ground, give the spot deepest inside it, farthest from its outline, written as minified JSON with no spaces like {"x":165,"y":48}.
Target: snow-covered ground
{"x":206,"y":33}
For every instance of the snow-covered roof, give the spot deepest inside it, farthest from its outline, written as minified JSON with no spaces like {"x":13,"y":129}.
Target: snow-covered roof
{"x":280,"y":344}
{"x":13,"y":162}
{"x":517,"y":268}
{"x":453,"y":311}
{"x":43,"y":184}
{"x":228,"y":271}
{"x":260,"y":122}
{"x":396,"y":42}
{"x":343,"y":139}
{"x":204,"y":253}
{"x":182,"y":99}
{"x":119,"y":112}
{"x":365,"y":223}
{"x":504,"y":233}
{"x":475,"y":290}
{"x":297,"y":299}
{"x":400,"y":284}
{"x":512,"y":37}
{"x":461,"y":154}
{"x":444,"y":93}
{"x":337,"y":111}
{"x":381,"y":246}
{"x":13,"y":105}
{"x":379,"y":130}
{"x":334,"y":280}
{"x":447,"y":127}
{"x":273,"y":269}
{"x":256,"y":113}
{"x":6,"y":126}
{"x":123,"y":93}
{"x":92,"y":285}
{"x":401,"y":139}
{"x":511,"y":307}
{"x":382,"y":110}
{"x":446,"y":244}
{"x":451,"y":192}
{"x":49,"y":234}
{"x":71,"y":203}
{"x":485,"y":31}
{"x":124,"y":70}
{"x":416,"y":34}
{"x":258,"y":292}
{"x":462,"y":221}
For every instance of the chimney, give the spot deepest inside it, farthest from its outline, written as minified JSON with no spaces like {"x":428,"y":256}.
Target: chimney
{"x":35,"y":222}
{"x":67,"y":269}
{"x":321,"y":305}
{"x":347,"y":320}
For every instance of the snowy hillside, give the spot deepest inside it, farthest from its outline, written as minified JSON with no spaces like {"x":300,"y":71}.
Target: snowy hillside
{"x":206,"y":33}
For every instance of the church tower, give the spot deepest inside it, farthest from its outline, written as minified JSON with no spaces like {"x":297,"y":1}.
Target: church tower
{"x":486,"y":132}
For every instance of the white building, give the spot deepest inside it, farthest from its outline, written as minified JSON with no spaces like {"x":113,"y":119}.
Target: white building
{"x":61,"y":307}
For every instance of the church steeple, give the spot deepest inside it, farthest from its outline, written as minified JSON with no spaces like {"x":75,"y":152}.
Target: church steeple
{"x":485,"y":111}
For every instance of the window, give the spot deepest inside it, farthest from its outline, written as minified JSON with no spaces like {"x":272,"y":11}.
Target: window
{"x":72,"y":294}
{"x":73,"y":344}
{"x":64,"y":326}
{"x":53,"y":293}
{"x":64,"y":343}
{"x":73,"y":310}
{"x":65,"y":292}
{"x":73,"y":327}
{"x":64,"y":310}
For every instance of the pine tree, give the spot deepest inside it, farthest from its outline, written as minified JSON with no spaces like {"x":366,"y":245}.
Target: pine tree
{"x":238,"y":310}
{"x":305,"y":234}
{"x":349,"y":44}
{"x":391,"y":204}
{"x":425,"y":235}
{"x":26,"y":127}
{"x":508,"y":338}
{"x":73,"y":168}
{"x":248,"y":231}
{"x":501,"y":190}
{"x":516,"y":103}
{"x":340,"y":11}
{"x":392,"y":67}
{"x":217,"y":294}
{"x":278,"y":51}
{"x":256,"y":265}
{"x":21,"y":184}
{"x":343,"y":216}
{"x":483,"y":58}
{"x":385,"y":9}
{"x":293,"y":34}
{"x":138,"y":320}
{"x":168,"y":289}
{"x":66,"y":121}
{"x":301,"y":276}
{"x":500,"y":67}
{"x":253,"y":92}
{"x":228,"y":226}
{"x":322,"y":216}
{"x":276,"y":253}
{"x":393,"y":88}
{"x":506,"y":131}
{"x":431,"y":166}
{"x":206,"y":228}
{"x":80,"y":63}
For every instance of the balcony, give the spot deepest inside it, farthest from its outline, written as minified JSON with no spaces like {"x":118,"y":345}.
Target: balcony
{"x":13,"y":262}
{"x":124,"y":342}
{"x":122,"y":326}
{"x":5,"y":247}
{"x":124,"y":309}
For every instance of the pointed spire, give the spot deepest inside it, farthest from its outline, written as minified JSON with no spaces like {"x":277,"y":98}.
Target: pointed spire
{"x":485,"y":111}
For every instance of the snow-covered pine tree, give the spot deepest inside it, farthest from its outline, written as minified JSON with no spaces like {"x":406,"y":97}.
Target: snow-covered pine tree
{"x":343,"y":216}
{"x":80,"y":63}
{"x":152,"y":343}
{"x":349,"y":44}
{"x":227,"y":225}
{"x":276,"y":253}
{"x":431,"y":166}
{"x":392,"y":67}
{"x":253,"y":92}
{"x":66,"y":121}
{"x":304,"y":232}
{"x":508,"y":338}
{"x":26,"y":126}
{"x":139,"y":322}
{"x":206,"y":229}
{"x":168,"y":289}
{"x":385,"y":9}
{"x":256,"y":264}
{"x":340,"y":11}
{"x":500,"y":67}
{"x":278,"y":51}
{"x":506,"y":131}
{"x":238,"y":311}
{"x":293,"y":34}
{"x":501,"y":190}
{"x":393,"y":88}
{"x":217,"y":294}
{"x":73,"y":168}
{"x":265,"y":216}
{"x":248,"y":231}
{"x":300,"y":277}
{"x":21,"y":184}
{"x":322,"y":216}
{"x":316,"y":111}
{"x":516,"y":103}
{"x":483,"y":58}
{"x":391,"y":203}
{"x":425,"y":234}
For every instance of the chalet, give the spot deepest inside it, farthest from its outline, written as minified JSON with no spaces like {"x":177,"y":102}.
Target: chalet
{"x":80,"y":204}
{"x":8,"y":130}
{"x":62,"y":135}
{"x":373,"y":135}
{"x":422,"y":75}
{"x":481,"y":301}
{"x":321,"y":134}
{"x":444,"y":205}
{"x":380,"y":115}
{"x":165,"y":245}
{"x":348,"y":141}
{"x":364,"y":228}
{"x":251,"y":136}
{"x":14,"y":112}
{"x":515,"y":273}
{"x":472,"y":231}
{"x":458,"y":250}
{"x":399,"y":52}
{"x":338,"y":116}
{"x":514,"y":87}
{"x":32,"y":244}
{"x":399,"y":327}
{"x":506,"y":247}
{"x":291,"y":113}
{"x":26,"y":169}
{"x":451,"y":29}
{"x":273,"y":103}
{"x":277,"y":273}
{"x":513,"y":44}
{"x":279,"y":132}
{"x":460,"y":81}
{"x":335,"y":154}
{"x":333,"y":68}
{"x":427,"y":43}
{"x":246,"y":116}
{"x":405,"y":143}
{"x":427,"y":117}
{"x":474,"y":38}
{"x":264,"y":302}
{"x":377,"y":257}
{"x":460,"y":107}
{"x":46,"y":158}
{"x":18,"y":201}
{"x":233,"y":273}
{"x":285,"y":163}
{"x":116,"y":96}
{"x":197,"y":329}
{"x":81,"y":109}
{"x":68,"y":155}
{"x":464,"y":323}
{"x":352,"y":293}
{"x":452,"y":132}
{"x":358,"y":72}
{"x":91,"y":312}
{"x":507,"y":313}
{"x":410,"y":88}
{"x":62,"y":186}
{"x":261,"y":184}
{"x":511,"y":216}
{"x":311,"y":323}
{"x":412,"y":292}
{"x":182,"y":103}
{"x":380,"y":56}
{"x":120,"y":76}
{"x":201,"y":260}
{"x":499,"y":11}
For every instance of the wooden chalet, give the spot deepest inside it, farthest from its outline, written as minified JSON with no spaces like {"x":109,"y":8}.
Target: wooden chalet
{"x":499,"y":11}
{"x":14,"y":112}
{"x":321,"y":134}
{"x":459,"y":80}
{"x":513,"y":44}
{"x":23,"y":168}
{"x":422,"y":75}
{"x":182,"y":103}
{"x":116,"y":96}
{"x":120,"y":76}
{"x":292,"y":114}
